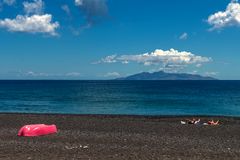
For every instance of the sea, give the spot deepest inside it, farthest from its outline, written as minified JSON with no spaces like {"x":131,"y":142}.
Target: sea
{"x":220,"y":98}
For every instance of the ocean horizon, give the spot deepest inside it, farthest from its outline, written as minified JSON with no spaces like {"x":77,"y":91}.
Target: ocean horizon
{"x":156,"y":98}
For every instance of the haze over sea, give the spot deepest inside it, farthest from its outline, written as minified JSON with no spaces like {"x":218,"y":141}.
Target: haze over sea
{"x":121,"y":97}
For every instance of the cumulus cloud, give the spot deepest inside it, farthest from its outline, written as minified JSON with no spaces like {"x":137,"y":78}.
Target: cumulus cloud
{"x":166,"y":59}
{"x":229,"y":17}
{"x":109,"y":59}
{"x":31,"y":24}
{"x":35,"y":7}
{"x":94,"y":10}
{"x":112,"y":74}
{"x":34,"y":21}
{"x":183,"y":36}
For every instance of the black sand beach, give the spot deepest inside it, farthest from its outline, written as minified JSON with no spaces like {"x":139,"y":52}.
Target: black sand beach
{"x":119,"y":137}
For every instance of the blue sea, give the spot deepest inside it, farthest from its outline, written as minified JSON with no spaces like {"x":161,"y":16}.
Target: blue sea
{"x":121,"y":97}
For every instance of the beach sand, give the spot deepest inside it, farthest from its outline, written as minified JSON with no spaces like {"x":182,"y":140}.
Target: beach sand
{"x":99,"y":137}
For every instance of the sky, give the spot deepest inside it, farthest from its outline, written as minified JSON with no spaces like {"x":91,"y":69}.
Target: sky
{"x":106,"y":39}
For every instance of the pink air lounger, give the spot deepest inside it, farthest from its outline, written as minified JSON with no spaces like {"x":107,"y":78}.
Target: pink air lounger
{"x":37,"y":130}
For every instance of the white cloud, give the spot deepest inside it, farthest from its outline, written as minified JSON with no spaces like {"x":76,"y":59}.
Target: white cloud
{"x":112,"y":74}
{"x":199,"y":65}
{"x":35,"y":7}
{"x":19,"y":74}
{"x":31,"y":24}
{"x":78,"y":2}
{"x":34,"y":74}
{"x":184,"y":36}
{"x":170,"y":59}
{"x":73,"y":74}
{"x":229,"y":17}
{"x":109,"y":59}
{"x":41,"y":74}
{"x":9,"y":2}
{"x":34,"y":21}
{"x":193,"y":72}
{"x":211,"y":73}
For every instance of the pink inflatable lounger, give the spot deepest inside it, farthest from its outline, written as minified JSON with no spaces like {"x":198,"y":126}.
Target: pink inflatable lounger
{"x":37,"y":130}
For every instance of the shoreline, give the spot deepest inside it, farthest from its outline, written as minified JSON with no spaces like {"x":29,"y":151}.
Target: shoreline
{"x":120,"y":115}
{"x":120,"y":137}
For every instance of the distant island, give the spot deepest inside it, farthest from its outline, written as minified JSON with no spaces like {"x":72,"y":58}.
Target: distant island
{"x":165,"y":76}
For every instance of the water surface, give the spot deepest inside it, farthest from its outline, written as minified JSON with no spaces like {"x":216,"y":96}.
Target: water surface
{"x":122,"y":97}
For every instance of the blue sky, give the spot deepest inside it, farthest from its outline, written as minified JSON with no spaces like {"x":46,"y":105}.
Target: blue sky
{"x":105,"y":39}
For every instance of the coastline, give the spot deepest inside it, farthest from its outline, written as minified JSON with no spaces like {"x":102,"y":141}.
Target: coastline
{"x":120,"y":137}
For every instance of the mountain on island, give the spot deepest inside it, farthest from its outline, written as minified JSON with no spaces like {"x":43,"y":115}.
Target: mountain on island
{"x":165,"y":76}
